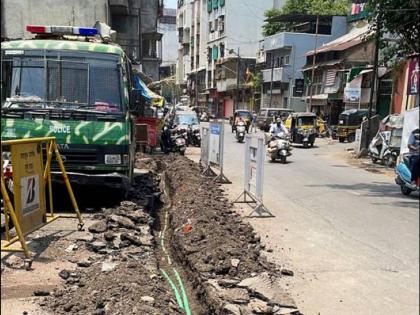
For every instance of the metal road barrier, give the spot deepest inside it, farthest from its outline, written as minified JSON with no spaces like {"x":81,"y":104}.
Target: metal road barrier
{"x":214,"y":149}
{"x":24,"y":194}
{"x":254,"y":176}
{"x":204,"y":153}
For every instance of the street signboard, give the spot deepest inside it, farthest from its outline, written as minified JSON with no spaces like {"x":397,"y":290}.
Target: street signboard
{"x":254,"y":175}
{"x":214,"y":142}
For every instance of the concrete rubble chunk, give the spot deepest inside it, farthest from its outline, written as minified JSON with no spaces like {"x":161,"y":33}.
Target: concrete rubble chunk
{"x":268,"y":289}
{"x":97,"y":245}
{"x":232,"y":295}
{"x":260,"y":307}
{"x":138,"y":217}
{"x":128,"y":205}
{"x":135,"y":240}
{"x":122,"y":221}
{"x":64,"y":274}
{"x":98,"y":227}
{"x":84,"y":263}
{"x":108,"y":266}
{"x":235,"y":262}
{"x":147,"y":299}
{"x":71,"y":248}
{"x":232,"y":309}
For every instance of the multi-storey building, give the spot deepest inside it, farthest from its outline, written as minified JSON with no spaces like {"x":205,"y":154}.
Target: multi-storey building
{"x":212,"y":34}
{"x":191,"y":65}
{"x":283,"y":56}
{"x":167,"y":26}
{"x":234,"y":31}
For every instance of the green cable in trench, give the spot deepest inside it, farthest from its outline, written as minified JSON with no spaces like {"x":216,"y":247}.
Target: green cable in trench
{"x":182,"y":302}
{"x":174,"y":288}
{"x":183,"y":292}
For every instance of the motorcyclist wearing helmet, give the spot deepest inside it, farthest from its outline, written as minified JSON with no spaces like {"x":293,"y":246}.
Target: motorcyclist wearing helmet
{"x":277,"y":127}
{"x":414,"y":149}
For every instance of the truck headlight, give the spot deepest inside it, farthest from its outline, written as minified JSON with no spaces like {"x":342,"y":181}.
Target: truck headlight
{"x":112,"y":159}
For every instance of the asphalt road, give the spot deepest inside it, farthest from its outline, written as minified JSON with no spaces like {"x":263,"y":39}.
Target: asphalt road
{"x":350,"y":236}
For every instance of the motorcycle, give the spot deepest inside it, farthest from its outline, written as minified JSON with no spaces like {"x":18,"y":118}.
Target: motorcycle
{"x":196,"y":137}
{"x":240,"y":131}
{"x":379,"y":148}
{"x":279,"y":147}
{"x":403,"y":178}
{"x":193,"y":136}
{"x":173,"y":140}
{"x":180,"y":143}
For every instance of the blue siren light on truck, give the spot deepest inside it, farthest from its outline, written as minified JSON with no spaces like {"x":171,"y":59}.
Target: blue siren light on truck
{"x":62,"y":30}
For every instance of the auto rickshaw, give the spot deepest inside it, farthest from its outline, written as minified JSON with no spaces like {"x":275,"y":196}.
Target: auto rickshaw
{"x":302,"y":127}
{"x":348,"y":122}
{"x":246,"y":116}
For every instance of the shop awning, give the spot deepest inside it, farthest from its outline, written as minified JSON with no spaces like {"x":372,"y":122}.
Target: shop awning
{"x":151,"y":97}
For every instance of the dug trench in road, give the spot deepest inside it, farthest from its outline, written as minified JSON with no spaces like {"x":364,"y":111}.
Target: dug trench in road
{"x":220,"y":254}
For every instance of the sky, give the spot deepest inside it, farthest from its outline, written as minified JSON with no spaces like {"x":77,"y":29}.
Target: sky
{"x":170,"y":4}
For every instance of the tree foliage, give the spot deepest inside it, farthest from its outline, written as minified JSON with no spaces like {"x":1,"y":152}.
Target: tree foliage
{"x":400,"y":19}
{"x":321,"y":7}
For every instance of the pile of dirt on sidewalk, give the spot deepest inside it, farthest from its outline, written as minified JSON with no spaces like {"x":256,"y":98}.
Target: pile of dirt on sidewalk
{"x":121,"y":274}
{"x":220,"y":252}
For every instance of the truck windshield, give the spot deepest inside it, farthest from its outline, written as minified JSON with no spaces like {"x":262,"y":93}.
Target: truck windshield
{"x":71,"y":84}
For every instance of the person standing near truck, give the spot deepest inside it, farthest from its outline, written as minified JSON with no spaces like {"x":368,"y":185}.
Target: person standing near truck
{"x":414,"y":149}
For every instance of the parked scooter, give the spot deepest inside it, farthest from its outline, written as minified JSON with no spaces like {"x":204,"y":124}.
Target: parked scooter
{"x":193,"y":136}
{"x":378,"y":147}
{"x":196,"y":137}
{"x":404,"y":176}
{"x":173,"y":140}
{"x":279,"y":147}
{"x":240,"y":131}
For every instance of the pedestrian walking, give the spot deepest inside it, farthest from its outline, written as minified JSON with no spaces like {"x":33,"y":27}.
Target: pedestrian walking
{"x":414,"y":149}
{"x":254,"y":122}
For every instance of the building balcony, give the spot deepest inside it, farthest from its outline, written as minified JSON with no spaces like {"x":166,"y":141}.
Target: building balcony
{"x":278,"y":75}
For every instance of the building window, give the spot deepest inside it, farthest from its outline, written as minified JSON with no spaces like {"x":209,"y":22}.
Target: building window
{"x":287,"y":60}
{"x":215,"y":53}
{"x":221,"y":24}
{"x":215,"y":4}
{"x":222,"y":50}
{"x":222,"y":3}
{"x":216,"y":24}
{"x":209,"y":5}
{"x":211,"y":29}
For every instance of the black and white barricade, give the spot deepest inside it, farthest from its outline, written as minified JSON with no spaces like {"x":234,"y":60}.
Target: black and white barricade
{"x":254,"y":177}
{"x":212,"y":145}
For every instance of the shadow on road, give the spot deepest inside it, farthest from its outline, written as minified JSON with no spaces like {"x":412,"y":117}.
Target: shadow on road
{"x":374,"y":189}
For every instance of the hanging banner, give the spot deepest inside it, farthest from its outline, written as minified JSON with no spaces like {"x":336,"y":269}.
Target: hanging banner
{"x":413,"y":82}
{"x":353,"y":90}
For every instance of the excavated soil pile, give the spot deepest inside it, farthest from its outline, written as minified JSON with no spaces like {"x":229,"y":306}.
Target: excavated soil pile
{"x":121,"y":275}
{"x":220,"y":253}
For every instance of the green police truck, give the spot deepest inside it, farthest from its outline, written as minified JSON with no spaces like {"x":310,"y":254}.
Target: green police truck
{"x":70,"y":84}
